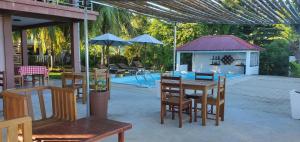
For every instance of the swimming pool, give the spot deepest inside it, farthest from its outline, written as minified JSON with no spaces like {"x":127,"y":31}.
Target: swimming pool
{"x":150,"y":79}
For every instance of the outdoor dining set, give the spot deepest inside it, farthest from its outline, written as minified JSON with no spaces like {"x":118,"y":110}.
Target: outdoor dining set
{"x":184,"y":96}
{"x":23,"y":124}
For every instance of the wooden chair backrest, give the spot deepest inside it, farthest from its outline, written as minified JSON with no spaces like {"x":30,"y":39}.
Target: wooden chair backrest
{"x":171,"y":87}
{"x":17,"y":103}
{"x":2,"y":80}
{"x":204,"y":76}
{"x":14,"y":105}
{"x":138,"y":64}
{"x":102,"y":74}
{"x":221,"y":88}
{"x":79,"y":78}
{"x":75,"y":78}
{"x":13,"y":132}
{"x":64,"y":103}
{"x":65,"y":77}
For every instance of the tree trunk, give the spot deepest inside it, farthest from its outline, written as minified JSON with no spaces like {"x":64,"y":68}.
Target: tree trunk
{"x":102,"y":55}
{"x":107,"y":55}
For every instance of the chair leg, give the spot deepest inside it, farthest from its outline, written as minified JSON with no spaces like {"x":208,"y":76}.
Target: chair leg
{"x":217,"y":115}
{"x":173,"y":112}
{"x":165,"y":110}
{"x":83,"y":95}
{"x":222,"y":111}
{"x":180,"y":117}
{"x":195,"y":110}
{"x":211,"y":109}
{"x":162,"y":114}
{"x":190,"y":112}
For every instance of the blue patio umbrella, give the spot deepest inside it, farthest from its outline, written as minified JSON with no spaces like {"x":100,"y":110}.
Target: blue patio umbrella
{"x":109,"y":40}
{"x":146,"y":39}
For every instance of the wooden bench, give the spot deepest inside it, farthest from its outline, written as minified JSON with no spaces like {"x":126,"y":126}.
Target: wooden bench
{"x":62,"y":125}
{"x":16,"y":130}
{"x":18,"y":103}
{"x":89,"y":129}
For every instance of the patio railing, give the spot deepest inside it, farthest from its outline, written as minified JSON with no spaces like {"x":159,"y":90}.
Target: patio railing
{"x":79,"y":3}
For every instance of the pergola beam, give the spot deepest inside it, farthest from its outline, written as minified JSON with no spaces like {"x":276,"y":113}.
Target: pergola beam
{"x":215,"y":11}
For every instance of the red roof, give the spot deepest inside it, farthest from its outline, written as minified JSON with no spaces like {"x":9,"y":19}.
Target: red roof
{"x":218,"y":43}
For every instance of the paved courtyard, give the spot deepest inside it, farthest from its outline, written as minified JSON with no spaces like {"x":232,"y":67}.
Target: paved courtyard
{"x":257,"y":110}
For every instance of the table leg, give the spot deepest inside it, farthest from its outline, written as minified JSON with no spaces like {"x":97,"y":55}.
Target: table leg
{"x":121,"y":137}
{"x":43,"y":79}
{"x":204,"y":107}
{"x":33,"y":80}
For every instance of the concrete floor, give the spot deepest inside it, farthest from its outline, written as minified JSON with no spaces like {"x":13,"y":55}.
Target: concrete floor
{"x":257,"y":110}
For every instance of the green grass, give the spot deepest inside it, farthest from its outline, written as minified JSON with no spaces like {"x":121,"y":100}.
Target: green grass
{"x":55,"y":75}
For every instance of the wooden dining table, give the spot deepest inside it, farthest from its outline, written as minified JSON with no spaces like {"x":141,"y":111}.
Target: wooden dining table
{"x":203,"y":85}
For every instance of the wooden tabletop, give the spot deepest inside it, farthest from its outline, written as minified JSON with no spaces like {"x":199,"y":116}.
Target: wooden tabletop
{"x":85,"y":129}
{"x":194,"y":84}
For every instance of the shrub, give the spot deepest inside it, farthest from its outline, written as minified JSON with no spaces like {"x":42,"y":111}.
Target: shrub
{"x":295,"y":69}
{"x":274,"y":60}
{"x":115,"y":59}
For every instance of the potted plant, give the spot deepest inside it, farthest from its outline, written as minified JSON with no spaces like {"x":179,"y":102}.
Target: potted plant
{"x":99,"y":96}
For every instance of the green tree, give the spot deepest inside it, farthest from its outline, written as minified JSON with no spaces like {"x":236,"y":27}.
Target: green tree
{"x":274,"y":60}
{"x":110,"y":20}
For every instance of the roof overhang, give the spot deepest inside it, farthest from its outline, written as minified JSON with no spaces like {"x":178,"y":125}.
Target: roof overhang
{"x":29,"y":13}
{"x":216,"y":51}
{"x":215,"y":11}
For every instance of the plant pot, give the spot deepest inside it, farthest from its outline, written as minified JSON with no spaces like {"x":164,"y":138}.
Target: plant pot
{"x":99,"y":103}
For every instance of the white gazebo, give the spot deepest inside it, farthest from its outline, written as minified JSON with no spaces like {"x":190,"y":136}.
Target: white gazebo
{"x":220,"y":54}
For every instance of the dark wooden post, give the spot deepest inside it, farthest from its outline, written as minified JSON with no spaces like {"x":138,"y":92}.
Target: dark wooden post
{"x":8,"y":51}
{"x":24,"y":47}
{"x":75,"y":47}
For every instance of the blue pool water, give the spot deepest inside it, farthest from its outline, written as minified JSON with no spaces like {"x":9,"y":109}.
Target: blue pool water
{"x":150,"y":79}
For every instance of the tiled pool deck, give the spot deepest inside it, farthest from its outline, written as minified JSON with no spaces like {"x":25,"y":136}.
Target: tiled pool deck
{"x":257,"y":110}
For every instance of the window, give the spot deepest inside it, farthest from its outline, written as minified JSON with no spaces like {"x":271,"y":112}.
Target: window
{"x":254,"y":59}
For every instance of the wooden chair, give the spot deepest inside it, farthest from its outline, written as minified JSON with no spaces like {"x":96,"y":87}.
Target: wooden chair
{"x":218,"y":101}
{"x":172,"y":96}
{"x":19,"y":80}
{"x":17,"y":103}
{"x":19,"y":129}
{"x":2,"y":80}
{"x":77,"y":81}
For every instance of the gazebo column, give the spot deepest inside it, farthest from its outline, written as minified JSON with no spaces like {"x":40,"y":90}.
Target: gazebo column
{"x":8,"y":51}
{"x":75,"y":47}
{"x":178,"y":60}
{"x":24,"y":47}
{"x":248,"y":59}
{"x":2,"y":59}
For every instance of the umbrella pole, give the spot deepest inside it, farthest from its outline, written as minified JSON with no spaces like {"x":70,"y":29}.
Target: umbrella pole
{"x":145,"y":55}
{"x":87,"y":62}
{"x":108,"y":55}
{"x":174,"y":48}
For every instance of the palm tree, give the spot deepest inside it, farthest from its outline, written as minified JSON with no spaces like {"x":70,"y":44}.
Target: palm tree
{"x":49,"y":39}
{"x":110,"y":20}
